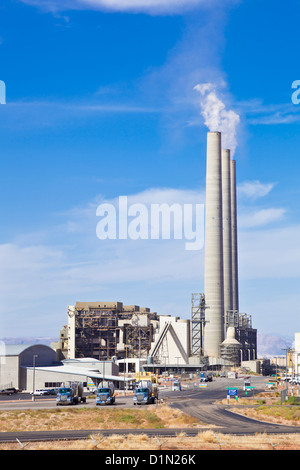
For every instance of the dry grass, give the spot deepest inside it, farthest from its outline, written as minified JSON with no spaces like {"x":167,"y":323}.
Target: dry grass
{"x":153,"y":416}
{"x":273,"y":414}
{"x":207,"y":440}
{"x":270,"y":409}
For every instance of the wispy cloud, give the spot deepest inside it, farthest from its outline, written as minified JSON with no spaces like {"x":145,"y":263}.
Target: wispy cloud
{"x":254,"y":189}
{"x":259,"y":218}
{"x":65,"y":261}
{"x":87,"y":106}
{"x":47,"y":114}
{"x":270,"y":253}
{"x":145,"y":6}
{"x":254,"y":217}
{"x":258,"y":113}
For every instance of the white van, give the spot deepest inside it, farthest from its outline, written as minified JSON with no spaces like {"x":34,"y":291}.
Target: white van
{"x":247,"y":383}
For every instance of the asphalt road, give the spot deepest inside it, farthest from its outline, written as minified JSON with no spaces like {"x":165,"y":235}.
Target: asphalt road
{"x":199,"y":403}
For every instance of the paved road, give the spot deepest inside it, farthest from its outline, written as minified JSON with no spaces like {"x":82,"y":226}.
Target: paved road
{"x":199,"y":403}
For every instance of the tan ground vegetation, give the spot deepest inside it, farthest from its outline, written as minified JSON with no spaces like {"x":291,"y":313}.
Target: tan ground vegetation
{"x":152,"y":416}
{"x":206,"y":440}
{"x":268,"y":408}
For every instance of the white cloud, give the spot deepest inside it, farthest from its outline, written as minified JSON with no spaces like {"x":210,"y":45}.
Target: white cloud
{"x":254,"y":189}
{"x":42,"y":274}
{"x":258,"y":113}
{"x":144,"y":6}
{"x":251,"y":217}
{"x":72,"y":259}
{"x":270,"y":253}
{"x":260,"y":218}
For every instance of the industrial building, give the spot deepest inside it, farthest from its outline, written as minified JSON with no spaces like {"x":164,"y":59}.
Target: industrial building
{"x":217,"y":334}
{"x":33,"y":367}
{"x":131,"y":335}
{"x":104,"y":330}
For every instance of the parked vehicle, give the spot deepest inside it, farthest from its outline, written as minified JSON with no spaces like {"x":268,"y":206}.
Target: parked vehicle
{"x":40,"y":392}
{"x":8,"y":391}
{"x":70,"y":394}
{"x":176,"y":386}
{"x":105,"y":394}
{"x":247,"y":384}
{"x":146,"y":392}
{"x":295,"y":380}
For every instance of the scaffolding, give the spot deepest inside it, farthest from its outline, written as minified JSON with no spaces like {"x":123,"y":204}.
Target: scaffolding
{"x":138,"y":340}
{"x":106,"y":330}
{"x":232,"y":318}
{"x":96,"y":333}
{"x":198,"y":323}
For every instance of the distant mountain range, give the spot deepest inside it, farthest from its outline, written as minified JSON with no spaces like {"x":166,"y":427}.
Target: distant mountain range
{"x":30,"y":340}
{"x":270,"y":345}
{"x":267,"y":345}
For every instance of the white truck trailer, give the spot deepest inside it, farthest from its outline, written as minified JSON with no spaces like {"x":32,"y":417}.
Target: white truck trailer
{"x":105,"y":394}
{"x":71,"y":393}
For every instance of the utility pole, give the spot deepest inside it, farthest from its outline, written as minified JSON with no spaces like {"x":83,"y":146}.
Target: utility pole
{"x":33,"y":377}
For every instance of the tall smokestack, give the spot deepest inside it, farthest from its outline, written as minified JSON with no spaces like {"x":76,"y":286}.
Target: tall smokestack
{"x":227,"y":232}
{"x":213,"y":272}
{"x":235,"y":284}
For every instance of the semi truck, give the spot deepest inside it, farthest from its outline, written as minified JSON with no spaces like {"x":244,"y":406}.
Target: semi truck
{"x":105,"y":394}
{"x":146,"y":393}
{"x":70,"y":393}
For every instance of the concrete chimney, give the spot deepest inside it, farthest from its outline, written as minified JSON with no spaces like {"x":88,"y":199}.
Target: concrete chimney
{"x":235,"y":283}
{"x":227,"y":232}
{"x":213,"y":269}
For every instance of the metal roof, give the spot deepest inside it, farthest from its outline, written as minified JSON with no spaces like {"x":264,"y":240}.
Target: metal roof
{"x":82,"y":371}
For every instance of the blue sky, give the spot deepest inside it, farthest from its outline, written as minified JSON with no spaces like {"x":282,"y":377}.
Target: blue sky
{"x":100,"y":103}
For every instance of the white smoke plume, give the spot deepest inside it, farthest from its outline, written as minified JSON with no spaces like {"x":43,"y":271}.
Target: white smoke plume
{"x":216,"y":117}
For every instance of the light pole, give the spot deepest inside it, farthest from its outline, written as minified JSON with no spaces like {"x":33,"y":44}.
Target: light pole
{"x":33,"y":379}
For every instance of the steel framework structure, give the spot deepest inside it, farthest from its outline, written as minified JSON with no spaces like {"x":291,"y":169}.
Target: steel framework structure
{"x":198,"y":323}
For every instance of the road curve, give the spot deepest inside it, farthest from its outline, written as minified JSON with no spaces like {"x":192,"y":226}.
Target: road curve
{"x":197,"y":403}
{"x":203,"y":404}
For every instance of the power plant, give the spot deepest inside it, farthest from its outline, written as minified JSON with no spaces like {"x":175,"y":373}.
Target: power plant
{"x":114,"y":340}
{"x":217,"y":335}
{"x":228,"y":335}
